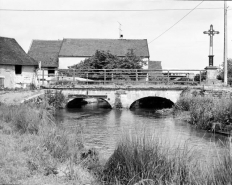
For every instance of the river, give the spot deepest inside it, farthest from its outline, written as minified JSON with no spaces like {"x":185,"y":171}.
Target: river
{"x":102,"y":129}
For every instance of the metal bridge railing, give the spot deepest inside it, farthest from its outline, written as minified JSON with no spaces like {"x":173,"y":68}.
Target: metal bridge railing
{"x":122,"y":76}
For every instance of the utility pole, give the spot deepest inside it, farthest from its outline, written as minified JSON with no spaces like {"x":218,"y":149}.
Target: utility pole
{"x":225,"y":43}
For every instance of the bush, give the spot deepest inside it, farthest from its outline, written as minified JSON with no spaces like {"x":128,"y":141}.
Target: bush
{"x":206,"y":111}
{"x":56,"y":99}
{"x":201,"y":112}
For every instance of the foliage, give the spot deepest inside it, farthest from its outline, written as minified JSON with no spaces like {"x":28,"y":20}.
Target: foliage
{"x":106,"y":60}
{"x":205,"y":111}
{"x":55,"y":99}
{"x":33,"y":147}
{"x":138,"y":158}
{"x":197,"y":77}
{"x":229,"y":69}
{"x":24,"y":118}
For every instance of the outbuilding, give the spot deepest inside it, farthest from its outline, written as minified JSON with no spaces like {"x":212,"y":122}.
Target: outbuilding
{"x":17,"y":69}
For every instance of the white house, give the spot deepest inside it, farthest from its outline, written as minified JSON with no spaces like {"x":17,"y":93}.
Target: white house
{"x":17,"y":69}
{"x":75,"y":50}
{"x":61,"y":54}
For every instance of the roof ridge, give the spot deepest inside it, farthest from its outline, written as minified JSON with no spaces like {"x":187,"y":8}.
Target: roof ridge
{"x":99,"y":39}
{"x":7,"y":37}
{"x":45,"y":40}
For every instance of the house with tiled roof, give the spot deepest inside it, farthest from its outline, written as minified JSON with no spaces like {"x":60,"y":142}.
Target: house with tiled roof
{"x":17,"y":69}
{"x":46,"y":52}
{"x":69,"y":52}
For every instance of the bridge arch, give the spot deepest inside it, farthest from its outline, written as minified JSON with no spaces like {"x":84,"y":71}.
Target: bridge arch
{"x":75,"y":102}
{"x":132,"y":96}
{"x":153,"y":102}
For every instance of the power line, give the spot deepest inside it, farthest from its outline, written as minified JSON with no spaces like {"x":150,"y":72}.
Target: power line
{"x":107,"y":10}
{"x":173,"y":24}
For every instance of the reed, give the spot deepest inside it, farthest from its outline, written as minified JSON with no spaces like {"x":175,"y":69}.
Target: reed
{"x":207,"y":111}
{"x":139,"y":160}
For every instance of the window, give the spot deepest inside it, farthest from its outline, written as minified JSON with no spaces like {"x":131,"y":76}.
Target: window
{"x":18,"y":69}
{"x":51,"y":72}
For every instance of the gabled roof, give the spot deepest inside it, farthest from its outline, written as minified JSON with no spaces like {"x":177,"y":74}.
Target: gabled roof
{"x":11,"y":53}
{"x":88,"y":47}
{"x":46,"y":51}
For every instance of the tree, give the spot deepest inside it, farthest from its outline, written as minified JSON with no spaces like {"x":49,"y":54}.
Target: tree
{"x":106,"y":60}
{"x":229,"y":69}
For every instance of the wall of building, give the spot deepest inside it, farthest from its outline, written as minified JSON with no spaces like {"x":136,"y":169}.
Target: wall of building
{"x":22,"y":80}
{"x":8,"y":72}
{"x":44,"y":78}
{"x":65,"y":62}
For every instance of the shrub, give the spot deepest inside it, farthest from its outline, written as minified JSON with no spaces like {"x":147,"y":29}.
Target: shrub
{"x":201,"y":112}
{"x":206,"y":111}
{"x":56,"y":99}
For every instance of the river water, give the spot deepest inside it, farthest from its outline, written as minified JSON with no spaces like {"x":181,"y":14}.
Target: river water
{"x":102,"y":129}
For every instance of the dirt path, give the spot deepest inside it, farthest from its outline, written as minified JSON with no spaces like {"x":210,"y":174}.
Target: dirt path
{"x":17,"y":97}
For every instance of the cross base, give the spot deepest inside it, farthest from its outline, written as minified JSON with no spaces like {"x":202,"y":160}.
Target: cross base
{"x":211,"y":76}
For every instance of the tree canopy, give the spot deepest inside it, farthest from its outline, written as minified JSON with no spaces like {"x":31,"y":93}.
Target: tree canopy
{"x":229,"y":69}
{"x":106,"y":60}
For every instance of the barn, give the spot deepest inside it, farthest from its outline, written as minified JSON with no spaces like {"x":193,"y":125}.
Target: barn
{"x":17,"y":69}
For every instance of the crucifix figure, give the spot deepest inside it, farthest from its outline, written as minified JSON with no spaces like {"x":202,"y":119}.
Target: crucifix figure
{"x":211,"y":33}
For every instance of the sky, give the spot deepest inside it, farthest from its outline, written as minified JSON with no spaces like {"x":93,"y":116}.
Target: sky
{"x":184,"y":46}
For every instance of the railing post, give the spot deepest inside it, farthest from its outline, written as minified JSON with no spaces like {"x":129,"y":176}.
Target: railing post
{"x":112,"y":76}
{"x":87,"y":77}
{"x":58,"y":77}
{"x":200,"y":77}
{"x":168,"y":77}
{"x":43,"y":77}
{"x":136,"y":71}
{"x":104,"y":76}
{"x":73,"y":75}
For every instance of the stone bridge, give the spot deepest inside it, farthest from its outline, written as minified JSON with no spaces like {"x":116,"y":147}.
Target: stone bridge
{"x":124,"y":97}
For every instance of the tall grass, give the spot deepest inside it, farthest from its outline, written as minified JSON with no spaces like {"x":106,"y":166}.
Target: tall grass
{"x":142,"y":160}
{"x":24,"y":118}
{"x":139,"y":159}
{"x":207,"y":112}
{"x":32,"y":143}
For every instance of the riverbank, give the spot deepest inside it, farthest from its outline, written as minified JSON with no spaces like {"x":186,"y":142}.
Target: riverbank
{"x":35,"y":150}
{"x":19,"y":96}
{"x":38,"y":151}
{"x":206,"y":112}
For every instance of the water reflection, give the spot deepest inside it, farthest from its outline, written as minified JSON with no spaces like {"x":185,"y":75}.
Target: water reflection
{"x":103,"y":128}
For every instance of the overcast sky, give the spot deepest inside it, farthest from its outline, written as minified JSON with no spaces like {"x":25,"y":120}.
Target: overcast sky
{"x":184,"y":46}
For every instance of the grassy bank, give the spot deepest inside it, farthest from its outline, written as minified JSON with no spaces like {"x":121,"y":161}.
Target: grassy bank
{"x":34,"y":150}
{"x":139,"y":160}
{"x":207,"y":112}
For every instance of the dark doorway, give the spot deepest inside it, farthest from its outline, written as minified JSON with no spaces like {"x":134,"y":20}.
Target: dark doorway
{"x":18,"y":69}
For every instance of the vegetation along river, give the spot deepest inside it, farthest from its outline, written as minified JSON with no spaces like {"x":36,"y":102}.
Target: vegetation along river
{"x":102,"y":128}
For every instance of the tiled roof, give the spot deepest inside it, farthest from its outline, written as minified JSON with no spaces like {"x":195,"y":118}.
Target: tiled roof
{"x":46,"y":51}
{"x":11,"y":53}
{"x":88,"y":47}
